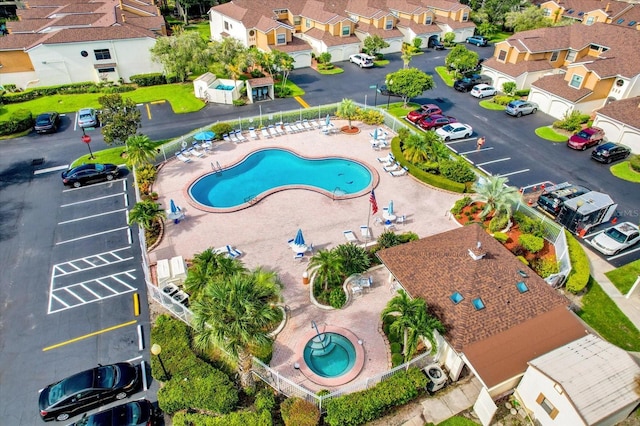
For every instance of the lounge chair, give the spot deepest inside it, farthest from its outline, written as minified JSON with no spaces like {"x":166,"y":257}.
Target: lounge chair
{"x":299,"y":126}
{"x":298,"y":256}
{"x":365,"y":232}
{"x":401,"y":219}
{"x":314,"y":124}
{"x":195,"y":152}
{"x":350,"y":236}
{"x":306,"y":125}
{"x":233,"y":137}
{"x":389,"y":159}
{"x":280,"y":129}
{"x":240,"y":136}
{"x":403,"y":171}
{"x":226,"y":137}
{"x":392,"y":167}
{"x":252,"y":133}
{"x":265,"y":133}
{"x":232,"y":252}
{"x":198,"y":150}
{"x":272,"y":131}
{"x":288,"y":128}
{"x":182,"y":158}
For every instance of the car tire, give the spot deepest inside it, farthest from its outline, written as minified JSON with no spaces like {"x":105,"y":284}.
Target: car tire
{"x":360,"y":65}
{"x":584,"y":147}
{"x":608,"y":161}
{"x":447,"y":139}
{"x":77,"y":184}
{"x":481,"y":95}
{"x":109,"y":177}
{"x":519,"y":114}
{"x":468,"y":135}
{"x":62,"y":417}
{"x":533,"y":111}
{"x":121,"y":395}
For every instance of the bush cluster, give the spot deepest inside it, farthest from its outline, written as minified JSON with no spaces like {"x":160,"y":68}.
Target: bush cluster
{"x":151,"y":79}
{"x":299,"y":412}
{"x":634,"y":162}
{"x":65,"y":89}
{"x":501,"y":237}
{"x":20,"y":121}
{"x":460,"y":204}
{"x":580,"y":272}
{"x":240,"y":418}
{"x":522,"y":92}
{"x":499,"y":222}
{"x":457,"y":170}
{"x":531,"y":243}
{"x":221,"y":129}
{"x":545,"y":267}
{"x":528,"y":225}
{"x":572,"y":121}
{"x":502,"y":99}
{"x":362,"y":407}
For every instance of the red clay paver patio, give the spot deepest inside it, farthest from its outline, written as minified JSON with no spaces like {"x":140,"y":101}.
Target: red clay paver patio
{"x":262,"y":230}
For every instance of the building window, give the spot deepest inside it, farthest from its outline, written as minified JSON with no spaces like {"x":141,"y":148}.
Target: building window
{"x":296,"y":20}
{"x":547,"y":12}
{"x":427,"y":20}
{"x":103,"y":70}
{"x":307,"y":23}
{"x":576,"y":81}
{"x":281,"y":38}
{"x":502,"y":55}
{"x":591,"y":20}
{"x":388,"y":24}
{"x":226,"y":25}
{"x":465,"y":17}
{"x":102,"y":54}
{"x":547,"y":406}
{"x":554,"y":56}
{"x":346,"y":30}
{"x":571,"y":55}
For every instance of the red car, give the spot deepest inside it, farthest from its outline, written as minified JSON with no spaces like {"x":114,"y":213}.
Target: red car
{"x":434,"y":121}
{"x":424,"y":111}
{"x":586,"y":138}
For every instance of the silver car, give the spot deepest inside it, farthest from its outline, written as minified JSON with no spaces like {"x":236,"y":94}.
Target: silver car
{"x":87,"y":117}
{"x":520,"y":108}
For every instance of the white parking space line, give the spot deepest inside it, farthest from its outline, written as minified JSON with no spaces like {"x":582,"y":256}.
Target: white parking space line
{"x":91,"y":200}
{"x":69,"y":291}
{"x":624,"y":253}
{"x":494,"y":161}
{"x":51,"y":169}
{"x":514,"y":173}
{"x":92,"y":235}
{"x":95,"y":261}
{"x":459,"y":141}
{"x":476,"y":150}
{"x":91,"y":216}
{"x":92,"y":185}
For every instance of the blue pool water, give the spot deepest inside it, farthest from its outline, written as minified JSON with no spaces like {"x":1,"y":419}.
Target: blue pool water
{"x":268,"y":169}
{"x":329,"y":355}
{"x":223,"y":87}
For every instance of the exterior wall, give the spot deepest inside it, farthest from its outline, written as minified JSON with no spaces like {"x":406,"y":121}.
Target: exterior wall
{"x":549,"y":104}
{"x":342,"y":53}
{"x":629,"y":89}
{"x":532,"y":385}
{"x":597,"y":15}
{"x":22,"y":80}
{"x":618,"y":132}
{"x":15,"y":61}
{"x":301,"y":59}
{"x":235,"y":29}
{"x":62,"y":63}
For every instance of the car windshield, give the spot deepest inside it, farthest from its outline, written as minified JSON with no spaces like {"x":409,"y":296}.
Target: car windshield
{"x":106,"y":377}
{"x":99,"y":167}
{"x":86,"y":116}
{"x":448,"y":128}
{"x":583,"y":134}
{"x":512,"y":105}
{"x":70,"y":386}
{"x":43,"y":119}
{"x":616,"y":235}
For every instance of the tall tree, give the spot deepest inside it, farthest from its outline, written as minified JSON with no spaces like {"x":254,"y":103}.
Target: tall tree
{"x":207,"y":267}
{"x":497,"y":195}
{"x":374,"y":44}
{"x":227,"y":50}
{"x":327,"y":265}
{"x":461,"y":59}
{"x":144,"y":213}
{"x":140,"y":150}
{"x":423,"y":325}
{"x":496,"y":10}
{"x":409,"y":83}
{"x":529,"y":18}
{"x":181,"y":54}
{"x":416,"y":149}
{"x":408,"y":51}
{"x":278,"y":62}
{"x":234,"y":315}
{"x":120,"y":118}
{"x":348,"y":110}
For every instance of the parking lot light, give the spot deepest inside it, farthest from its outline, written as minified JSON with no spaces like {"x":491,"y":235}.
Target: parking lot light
{"x":155,"y":350}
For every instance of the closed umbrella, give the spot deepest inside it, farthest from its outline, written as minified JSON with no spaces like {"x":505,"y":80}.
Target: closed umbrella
{"x":173,"y":207}
{"x":328,"y":120}
{"x":204,"y":136}
{"x":375,"y":134}
{"x":299,"y":239}
{"x":390,"y":208}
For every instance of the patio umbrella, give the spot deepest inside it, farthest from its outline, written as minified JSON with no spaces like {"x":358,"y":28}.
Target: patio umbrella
{"x":390,"y":208}
{"x":375,"y":134}
{"x":328,"y":120}
{"x":173,"y":207}
{"x":299,"y":239}
{"x":204,"y":136}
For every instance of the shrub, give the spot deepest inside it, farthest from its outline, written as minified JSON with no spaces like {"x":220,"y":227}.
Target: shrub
{"x":297,"y":411}
{"x":220,"y":129}
{"x":634,"y":162}
{"x":501,"y":237}
{"x":545,"y":267}
{"x":256,"y":73}
{"x":355,"y":259}
{"x":460,"y":204}
{"x":337,"y":298}
{"x":371,"y":116}
{"x":146,"y":174}
{"x":265,"y":400}
{"x":572,"y":121}
{"x":20,"y":121}
{"x":523,"y":260}
{"x":396,"y":348}
{"x":281,"y":92}
{"x":518,"y":250}
{"x":417,"y":43}
{"x":531,"y":243}
{"x":263,"y":352}
{"x":502,"y":99}
{"x":528,"y":225}
{"x":498,"y":222}
{"x":239,"y":418}
{"x":324,"y":58}
{"x":151,"y":79}
{"x":239,"y":102}
{"x":212,"y":391}
{"x":522,"y":92}
{"x":388,"y":239}
{"x":509,"y":88}
{"x":365,"y":406}
{"x":579,"y":275}
{"x":397,"y":359}
{"x":457,"y":170}
{"x":407,"y":237}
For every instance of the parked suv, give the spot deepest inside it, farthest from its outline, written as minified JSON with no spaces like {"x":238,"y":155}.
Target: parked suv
{"x":552,"y":198}
{"x":609,"y":152}
{"x":483,"y":90}
{"x":435,"y":44}
{"x":519,"y":108}
{"x":466,"y":83}
{"x":362,"y":60}
{"x":586,"y":138}
{"x":478,"y":40}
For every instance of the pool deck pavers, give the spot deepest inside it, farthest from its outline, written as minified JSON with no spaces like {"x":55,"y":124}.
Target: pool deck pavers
{"x":262,"y":230}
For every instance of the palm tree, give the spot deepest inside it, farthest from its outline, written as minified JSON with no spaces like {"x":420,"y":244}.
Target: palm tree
{"x":497,"y":195}
{"x":355,"y":259}
{"x":348,"y":110}
{"x":437,"y":151}
{"x":408,"y":52}
{"x":233,"y":316}
{"x":328,"y":266}
{"x":140,"y":150}
{"x":207,"y":266}
{"x":416,"y":149}
{"x":411,"y":319}
{"x":145,"y":213}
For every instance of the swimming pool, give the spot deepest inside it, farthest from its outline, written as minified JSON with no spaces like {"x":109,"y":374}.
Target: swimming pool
{"x":270,"y":170}
{"x":223,"y":87}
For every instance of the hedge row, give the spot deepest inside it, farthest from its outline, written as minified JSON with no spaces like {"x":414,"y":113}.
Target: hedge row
{"x":19,"y":121}
{"x":65,"y":89}
{"x":580,"y":272}
{"x":241,"y":418}
{"x":152,"y":79}
{"x":194,"y":384}
{"x":365,"y":406}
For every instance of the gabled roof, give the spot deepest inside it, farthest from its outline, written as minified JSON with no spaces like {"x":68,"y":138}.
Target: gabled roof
{"x":419,"y":28}
{"x":628,"y":18}
{"x":557,"y":85}
{"x":598,"y":378}
{"x":440,"y":269}
{"x":625,"y":111}
{"x":329,"y":39}
{"x":385,"y":34}
{"x":515,"y":70}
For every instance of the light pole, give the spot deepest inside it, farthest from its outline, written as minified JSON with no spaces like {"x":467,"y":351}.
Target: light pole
{"x":156,"y":349}
{"x":389,"y":83}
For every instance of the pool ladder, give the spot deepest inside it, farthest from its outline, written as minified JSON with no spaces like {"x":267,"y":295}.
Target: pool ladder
{"x":217,"y":168}
{"x":338,"y":192}
{"x":251,"y":199}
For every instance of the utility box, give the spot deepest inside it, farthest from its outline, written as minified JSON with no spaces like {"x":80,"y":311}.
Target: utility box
{"x":581,"y":213}
{"x":163,"y":272}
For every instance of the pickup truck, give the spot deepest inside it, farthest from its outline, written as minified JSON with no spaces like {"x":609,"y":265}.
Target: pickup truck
{"x":466,"y":83}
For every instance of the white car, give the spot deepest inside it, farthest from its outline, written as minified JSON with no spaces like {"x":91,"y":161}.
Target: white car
{"x":454,"y":131}
{"x":362,"y":60}
{"x":483,"y":90}
{"x":617,"y":238}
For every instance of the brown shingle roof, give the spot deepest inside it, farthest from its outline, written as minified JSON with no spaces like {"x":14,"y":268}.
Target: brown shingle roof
{"x":437,"y":266}
{"x":19,"y":41}
{"x":590,"y":6}
{"x":514,"y":70}
{"x":118,"y":32}
{"x":557,"y":85}
{"x":629,"y":15}
{"x":371,"y":30}
{"x":626,"y":111}
{"x":330,"y":40}
{"x":295,"y":45}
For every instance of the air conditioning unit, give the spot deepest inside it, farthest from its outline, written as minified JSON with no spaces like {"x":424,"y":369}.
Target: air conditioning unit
{"x":437,"y":377}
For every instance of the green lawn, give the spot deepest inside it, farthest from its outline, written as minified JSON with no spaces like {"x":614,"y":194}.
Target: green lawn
{"x":458,"y":421}
{"x":445,"y":76}
{"x":332,"y":71}
{"x":201,"y":27}
{"x":551,"y":135}
{"x":180,"y":96}
{"x":625,"y":276}
{"x":601,"y":313}
{"x":381,"y":62}
{"x":111,"y":155}
{"x":624,"y":171}
{"x":490,"y":105}
{"x":396,"y":109}
{"x":500,"y":36}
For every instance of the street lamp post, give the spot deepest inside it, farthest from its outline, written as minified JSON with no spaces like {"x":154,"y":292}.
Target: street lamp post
{"x":389,"y":83}
{"x":156,"y":349}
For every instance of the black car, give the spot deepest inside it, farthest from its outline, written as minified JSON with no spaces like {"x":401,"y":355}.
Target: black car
{"x":553,"y":197}
{"x":384,"y":91}
{"x":89,"y":173}
{"x":608,"y":152}
{"x":87,"y":389}
{"x":435,"y":44}
{"x":466,"y":83}
{"x":135,"y":413}
{"x":47,"y":122}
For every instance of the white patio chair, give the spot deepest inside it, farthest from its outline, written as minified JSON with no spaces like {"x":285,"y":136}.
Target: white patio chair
{"x":233,"y":137}
{"x":182,"y":158}
{"x":265,"y":133}
{"x":240,"y":136}
{"x":280,"y":129}
{"x":272,"y":131}
{"x":392,"y":167}
{"x":306,"y":125}
{"x":226,"y":137}
{"x":252,"y":133}
{"x":365,"y":232}
{"x":350,"y":236}
{"x":400,"y":172}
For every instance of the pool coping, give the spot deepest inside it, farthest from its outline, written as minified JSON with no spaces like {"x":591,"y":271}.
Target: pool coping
{"x":375,"y":180}
{"x":330,"y":381}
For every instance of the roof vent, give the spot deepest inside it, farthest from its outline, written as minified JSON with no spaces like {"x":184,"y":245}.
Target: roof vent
{"x":478,"y":252}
